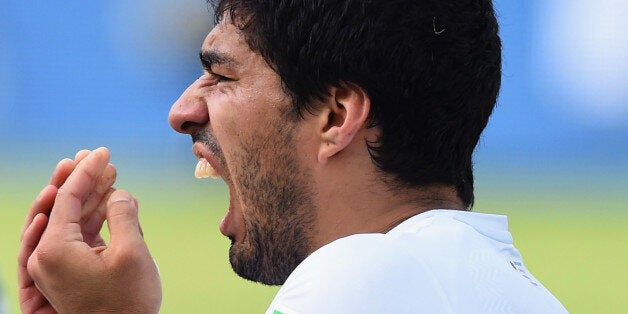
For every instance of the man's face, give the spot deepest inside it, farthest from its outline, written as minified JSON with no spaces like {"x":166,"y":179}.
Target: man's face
{"x":242,"y":124}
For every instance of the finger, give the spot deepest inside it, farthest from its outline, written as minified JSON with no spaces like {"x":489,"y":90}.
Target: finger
{"x":35,"y":302}
{"x":65,"y":167}
{"x":42,"y":205}
{"x":29,"y":242}
{"x":103,"y":184}
{"x":93,"y":213}
{"x":123,"y":220}
{"x":77,"y":188}
{"x":31,"y":299}
{"x":93,"y":225}
{"x":62,"y":171}
{"x":92,"y":234}
{"x":81,"y":154}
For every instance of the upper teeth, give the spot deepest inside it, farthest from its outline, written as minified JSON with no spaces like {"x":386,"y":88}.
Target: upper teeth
{"x":205,"y":170}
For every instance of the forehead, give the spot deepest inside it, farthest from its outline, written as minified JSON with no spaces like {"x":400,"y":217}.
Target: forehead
{"x":227,"y":40}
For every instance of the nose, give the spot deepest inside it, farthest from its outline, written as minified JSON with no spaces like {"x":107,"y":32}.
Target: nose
{"x":189,"y":111}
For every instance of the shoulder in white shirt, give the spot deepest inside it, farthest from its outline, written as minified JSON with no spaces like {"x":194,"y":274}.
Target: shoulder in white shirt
{"x":440,"y":261}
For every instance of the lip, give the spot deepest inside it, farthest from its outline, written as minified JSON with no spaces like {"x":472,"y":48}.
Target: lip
{"x":201,"y":151}
{"x":225,"y":222}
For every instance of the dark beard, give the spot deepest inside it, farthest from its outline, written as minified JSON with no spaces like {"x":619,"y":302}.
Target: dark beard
{"x":278,"y":203}
{"x":279,"y":209}
{"x":274,"y":247}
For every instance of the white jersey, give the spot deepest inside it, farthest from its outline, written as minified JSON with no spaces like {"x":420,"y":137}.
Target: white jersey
{"x":440,"y":261}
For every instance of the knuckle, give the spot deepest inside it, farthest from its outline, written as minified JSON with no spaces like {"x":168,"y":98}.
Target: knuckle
{"x":130,"y":256}
{"x":67,"y":192}
{"x":107,"y":179}
{"x":39,"y":261}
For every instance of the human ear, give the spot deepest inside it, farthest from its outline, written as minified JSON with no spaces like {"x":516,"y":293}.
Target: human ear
{"x":344,"y":114}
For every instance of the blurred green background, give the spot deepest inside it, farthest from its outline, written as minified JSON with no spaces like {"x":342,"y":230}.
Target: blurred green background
{"x":554,"y":157}
{"x":571,"y":231}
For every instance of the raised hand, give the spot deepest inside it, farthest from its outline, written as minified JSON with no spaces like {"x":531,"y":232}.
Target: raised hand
{"x":68,"y":267}
{"x":31,"y":299}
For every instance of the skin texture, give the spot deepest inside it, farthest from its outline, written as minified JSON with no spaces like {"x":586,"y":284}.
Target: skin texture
{"x":31,"y":299}
{"x":295,"y":184}
{"x":63,"y":263}
{"x":282,"y":170}
{"x":244,"y":125}
{"x":274,"y":204}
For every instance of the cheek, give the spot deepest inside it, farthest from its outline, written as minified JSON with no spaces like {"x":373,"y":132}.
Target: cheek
{"x":225,"y":123}
{"x":241,"y":130}
{"x":232,"y":117}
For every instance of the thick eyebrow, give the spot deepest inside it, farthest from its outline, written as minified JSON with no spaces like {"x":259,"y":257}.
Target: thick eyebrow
{"x":210,"y":57}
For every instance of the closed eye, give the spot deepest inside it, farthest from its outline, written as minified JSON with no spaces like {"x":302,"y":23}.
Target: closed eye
{"x":220,"y":78}
{"x":210,"y":59}
{"x":213,"y":78}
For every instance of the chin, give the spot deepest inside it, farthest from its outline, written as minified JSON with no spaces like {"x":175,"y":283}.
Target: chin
{"x":266,"y":268}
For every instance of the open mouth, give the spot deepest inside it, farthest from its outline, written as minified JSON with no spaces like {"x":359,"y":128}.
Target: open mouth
{"x":204,"y":167}
{"x":205,"y":170}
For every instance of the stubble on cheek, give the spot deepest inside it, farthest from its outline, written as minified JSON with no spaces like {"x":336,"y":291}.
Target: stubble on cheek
{"x":277,"y":208}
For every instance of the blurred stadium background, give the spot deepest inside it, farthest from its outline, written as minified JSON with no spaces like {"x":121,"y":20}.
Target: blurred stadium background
{"x":104,"y":73}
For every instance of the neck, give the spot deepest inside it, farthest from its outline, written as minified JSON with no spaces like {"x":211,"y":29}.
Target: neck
{"x":352,"y":198}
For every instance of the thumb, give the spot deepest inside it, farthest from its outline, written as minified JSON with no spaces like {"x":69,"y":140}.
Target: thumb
{"x":122,"y":219}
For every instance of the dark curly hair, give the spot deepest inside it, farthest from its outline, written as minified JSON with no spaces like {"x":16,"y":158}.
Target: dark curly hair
{"x":431,"y":68}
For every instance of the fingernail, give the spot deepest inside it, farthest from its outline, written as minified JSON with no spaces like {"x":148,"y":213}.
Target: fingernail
{"x":80,"y":152}
{"x":63,"y":160}
{"x":122,"y":198}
